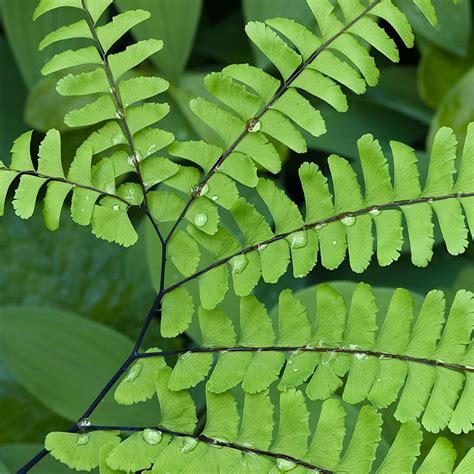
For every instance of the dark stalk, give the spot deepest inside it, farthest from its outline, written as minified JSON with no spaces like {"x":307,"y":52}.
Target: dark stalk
{"x":67,"y":181}
{"x":322,"y":222}
{"x":321,"y":350}
{"x":120,"y":113}
{"x":215,"y":442}
{"x":278,"y":94}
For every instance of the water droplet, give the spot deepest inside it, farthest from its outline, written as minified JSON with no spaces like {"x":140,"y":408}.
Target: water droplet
{"x":285,"y":465}
{"x":375,"y":211}
{"x":87,"y":198}
{"x":204,"y":190}
{"x":200,"y":219}
{"x":349,"y":220}
{"x":134,"y":372}
{"x":238,"y":263}
{"x":360,"y":356}
{"x":430,"y":199}
{"x":189,"y":444}
{"x":116,"y":207}
{"x":320,"y":226}
{"x":84,"y":423}
{"x":295,"y":369}
{"x":217,"y":442}
{"x":215,"y":198}
{"x":253,"y":125}
{"x":82,"y":439}
{"x":261,"y":247}
{"x":334,"y":242}
{"x":116,"y":139}
{"x":299,"y":240}
{"x":151,"y":436}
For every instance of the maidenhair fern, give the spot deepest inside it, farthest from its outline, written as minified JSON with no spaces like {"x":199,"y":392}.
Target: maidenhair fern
{"x":299,"y":389}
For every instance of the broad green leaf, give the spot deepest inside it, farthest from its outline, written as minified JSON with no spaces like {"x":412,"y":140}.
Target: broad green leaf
{"x":16,"y":455}
{"x":36,"y":346}
{"x":453,"y":30}
{"x":173,"y":21}
{"x":456,"y":110}
{"x":439,"y":71}
{"x":25,"y":36}
{"x":12,"y":98}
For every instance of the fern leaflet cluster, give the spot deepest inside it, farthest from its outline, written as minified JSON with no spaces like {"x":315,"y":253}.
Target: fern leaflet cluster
{"x":279,"y":389}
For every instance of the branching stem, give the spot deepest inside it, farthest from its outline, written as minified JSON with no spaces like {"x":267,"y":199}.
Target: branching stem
{"x":122,"y":120}
{"x":215,"y":442}
{"x":359,"y":352}
{"x":72,"y":183}
{"x":278,"y":94}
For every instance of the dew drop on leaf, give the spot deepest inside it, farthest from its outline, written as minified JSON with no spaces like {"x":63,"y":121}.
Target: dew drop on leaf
{"x":238,"y":263}
{"x":348,"y":221}
{"x":189,"y":444}
{"x":82,"y":439}
{"x":299,"y":240}
{"x":134,"y":372}
{"x":375,"y":211}
{"x":151,"y":436}
{"x":116,"y":139}
{"x":285,"y":465}
{"x":84,"y":423}
{"x":115,"y":207}
{"x":200,"y":219}
{"x":204,"y":190}
{"x":253,"y":125}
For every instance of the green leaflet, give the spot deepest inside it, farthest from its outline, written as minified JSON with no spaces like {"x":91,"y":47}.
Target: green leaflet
{"x":376,"y":360}
{"x":138,"y":385}
{"x":337,"y":345}
{"x":334,"y":225}
{"x":138,"y":451}
{"x":80,"y":451}
{"x":177,"y":411}
{"x":176,"y":313}
{"x":109,"y":219}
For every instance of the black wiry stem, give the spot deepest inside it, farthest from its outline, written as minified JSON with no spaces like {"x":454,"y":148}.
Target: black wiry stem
{"x":120,"y":114}
{"x":67,"y":181}
{"x":278,"y":94}
{"x":321,"y":350}
{"x":214,"y":442}
{"x":322,"y":222}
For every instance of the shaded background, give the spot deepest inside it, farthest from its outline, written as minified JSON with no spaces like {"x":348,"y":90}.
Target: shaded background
{"x":46,"y":377}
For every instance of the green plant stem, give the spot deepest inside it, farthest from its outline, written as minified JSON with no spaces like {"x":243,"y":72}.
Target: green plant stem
{"x":322,"y":222}
{"x":278,"y":94}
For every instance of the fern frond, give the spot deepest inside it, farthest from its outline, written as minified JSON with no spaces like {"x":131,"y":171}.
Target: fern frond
{"x":429,"y":360}
{"x":127,"y":130}
{"x":244,"y":440}
{"x":344,"y":222}
{"x":253,"y":109}
{"x":95,"y":198}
